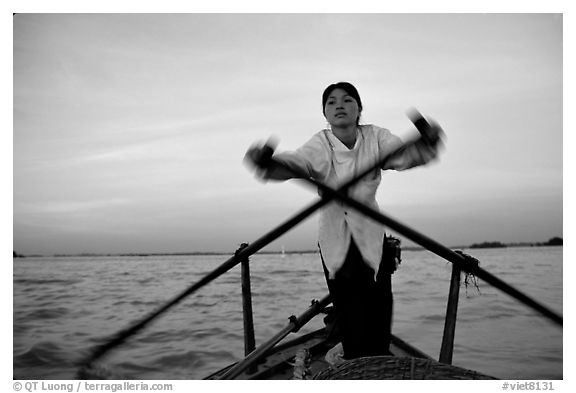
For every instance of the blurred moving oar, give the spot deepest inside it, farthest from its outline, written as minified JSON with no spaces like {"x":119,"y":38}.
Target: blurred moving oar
{"x":440,"y":250}
{"x":119,"y":338}
{"x":423,"y":240}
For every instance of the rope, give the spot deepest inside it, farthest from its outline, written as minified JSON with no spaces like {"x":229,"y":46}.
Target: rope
{"x":470,"y":278}
{"x":301,"y":363}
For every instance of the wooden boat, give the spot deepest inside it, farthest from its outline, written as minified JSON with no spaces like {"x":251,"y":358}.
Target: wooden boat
{"x":305,"y":357}
{"x":315,"y":355}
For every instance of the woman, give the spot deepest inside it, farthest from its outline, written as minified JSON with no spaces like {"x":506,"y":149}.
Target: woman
{"x":351,"y":245}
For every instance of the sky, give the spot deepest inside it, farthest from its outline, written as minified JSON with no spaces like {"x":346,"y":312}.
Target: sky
{"x":129,"y":130}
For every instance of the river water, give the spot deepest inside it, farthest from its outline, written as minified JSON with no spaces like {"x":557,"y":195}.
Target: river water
{"x":64,"y":306}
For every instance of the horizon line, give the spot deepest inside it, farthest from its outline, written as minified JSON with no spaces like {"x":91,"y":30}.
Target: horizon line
{"x":484,"y":244}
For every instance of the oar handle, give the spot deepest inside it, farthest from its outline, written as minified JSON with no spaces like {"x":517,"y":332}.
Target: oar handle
{"x":424,"y":127}
{"x":264,"y":159}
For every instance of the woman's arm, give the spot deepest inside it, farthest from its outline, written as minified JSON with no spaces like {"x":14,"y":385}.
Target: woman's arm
{"x":257,"y":158}
{"x":309,"y":160}
{"x":419,"y":153}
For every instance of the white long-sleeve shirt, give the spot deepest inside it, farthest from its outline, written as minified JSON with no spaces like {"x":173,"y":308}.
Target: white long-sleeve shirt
{"x":325,"y":158}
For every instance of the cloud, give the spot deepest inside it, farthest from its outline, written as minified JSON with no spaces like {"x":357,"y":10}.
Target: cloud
{"x":136,"y":122}
{"x":69,"y":206}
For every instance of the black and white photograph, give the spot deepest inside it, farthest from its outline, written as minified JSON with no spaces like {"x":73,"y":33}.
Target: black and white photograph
{"x":287,"y":196}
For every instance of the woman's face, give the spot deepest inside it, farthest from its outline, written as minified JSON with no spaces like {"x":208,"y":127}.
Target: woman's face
{"x":341,"y":110}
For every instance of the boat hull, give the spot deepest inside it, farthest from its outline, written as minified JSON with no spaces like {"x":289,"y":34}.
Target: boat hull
{"x":278,"y":364}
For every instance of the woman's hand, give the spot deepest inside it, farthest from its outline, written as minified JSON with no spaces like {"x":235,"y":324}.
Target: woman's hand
{"x":430,"y":143}
{"x":258,"y":156}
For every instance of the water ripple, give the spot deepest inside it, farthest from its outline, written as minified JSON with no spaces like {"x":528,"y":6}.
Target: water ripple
{"x":63,"y":307}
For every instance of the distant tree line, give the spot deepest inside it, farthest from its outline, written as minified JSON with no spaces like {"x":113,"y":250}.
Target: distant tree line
{"x":488,"y":245}
{"x":555,"y":241}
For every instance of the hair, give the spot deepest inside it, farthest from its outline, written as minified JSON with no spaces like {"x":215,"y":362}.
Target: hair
{"x":348,"y":88}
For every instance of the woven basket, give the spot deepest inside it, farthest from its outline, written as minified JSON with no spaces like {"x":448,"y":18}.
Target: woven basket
{"x":391,"y":367}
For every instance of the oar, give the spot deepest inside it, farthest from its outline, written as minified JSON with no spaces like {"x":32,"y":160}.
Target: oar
{"x":293,"y":326}
{"x":121,"y":336}
{"x":426,"y":241}
{"x":440,"y":250}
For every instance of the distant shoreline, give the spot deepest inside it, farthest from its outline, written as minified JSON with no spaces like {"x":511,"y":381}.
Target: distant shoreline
{"x":556,"y":241}
{"x":152,"y":254}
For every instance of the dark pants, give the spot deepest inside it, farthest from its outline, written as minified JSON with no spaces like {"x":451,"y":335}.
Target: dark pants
{"x":363,"y":306}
